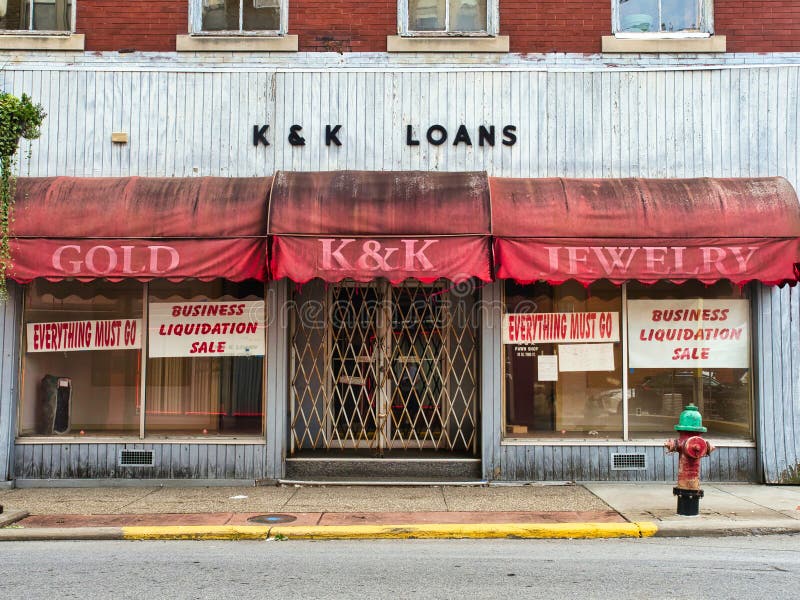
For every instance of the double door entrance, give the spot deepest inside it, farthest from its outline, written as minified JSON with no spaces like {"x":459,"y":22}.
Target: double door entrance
{"x":376,"y":367}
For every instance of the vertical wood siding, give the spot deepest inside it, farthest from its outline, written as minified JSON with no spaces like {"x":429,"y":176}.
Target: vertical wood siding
{"x":171,"y":461}
{"x":9,"y":351}
{"x":721,"y":122}
{"x":778,"y":383}
{"x":593,"y":463}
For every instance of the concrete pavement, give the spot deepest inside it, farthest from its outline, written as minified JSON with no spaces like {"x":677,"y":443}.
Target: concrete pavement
{"x":325,"y":512}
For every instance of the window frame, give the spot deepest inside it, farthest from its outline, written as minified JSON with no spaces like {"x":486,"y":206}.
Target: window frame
{"x":141,"y":434}
{"x":196,"y":23}
{"x":706,"y":25}
{"x":45,"y":32}
{"x":492,"y":21}
{"x":507,"y":438}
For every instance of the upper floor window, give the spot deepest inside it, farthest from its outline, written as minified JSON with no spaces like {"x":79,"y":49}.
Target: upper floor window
{"x":444,"y":17}
{"x":36,"y":15}
{"x":237,"y":16}
{"x":685,"y":17}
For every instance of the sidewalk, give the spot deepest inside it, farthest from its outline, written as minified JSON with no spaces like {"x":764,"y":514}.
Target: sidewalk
{"x":348,"y":512}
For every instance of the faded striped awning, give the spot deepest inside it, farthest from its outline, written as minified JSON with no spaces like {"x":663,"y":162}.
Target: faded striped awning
{"x":646,"y":230}
{"x":364,"y":225}
{"x":139,"y":227}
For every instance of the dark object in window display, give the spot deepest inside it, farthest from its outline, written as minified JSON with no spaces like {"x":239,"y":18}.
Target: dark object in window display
{"x":55,"y":403}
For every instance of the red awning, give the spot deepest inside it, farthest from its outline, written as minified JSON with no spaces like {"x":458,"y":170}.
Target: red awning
{"x":646,"y":230}
{"x":136,"y":227}
{"x":365,"y":225}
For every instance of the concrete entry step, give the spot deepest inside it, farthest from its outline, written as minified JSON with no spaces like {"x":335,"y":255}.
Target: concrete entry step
{"x":383,"y":470}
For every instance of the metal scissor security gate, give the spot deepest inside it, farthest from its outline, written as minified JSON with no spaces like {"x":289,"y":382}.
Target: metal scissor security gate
{"x":380,"y":367}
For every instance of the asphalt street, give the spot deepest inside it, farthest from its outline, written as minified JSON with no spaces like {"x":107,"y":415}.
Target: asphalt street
{"x":730,"y":567}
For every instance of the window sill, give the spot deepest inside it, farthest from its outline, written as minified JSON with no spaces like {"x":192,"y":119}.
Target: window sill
{"x":243,"y":440}
{"x":396,"y":43}
{"x":613,"y":44}
{"x":235,"y":43}
{"x":718,"y":442}
{"x":26,"y":41}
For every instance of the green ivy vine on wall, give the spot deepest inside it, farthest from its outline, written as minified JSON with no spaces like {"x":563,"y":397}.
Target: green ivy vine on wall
{"x":19,"y":118}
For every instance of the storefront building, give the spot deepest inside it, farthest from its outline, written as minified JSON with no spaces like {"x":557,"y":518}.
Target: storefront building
{"x":385,"y":271}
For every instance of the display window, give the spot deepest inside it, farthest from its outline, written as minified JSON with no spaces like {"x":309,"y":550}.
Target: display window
{"x":689,"y":343}
{"x":82,"y":355}
{"x":157,"y":359}
{"x":563,"y":360}
{"x":620,"y":362}
{"x":205,"y":367}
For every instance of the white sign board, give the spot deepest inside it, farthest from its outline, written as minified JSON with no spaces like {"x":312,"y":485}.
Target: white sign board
{"x":206,"y":329}
{"x":585,"y":357}
{"x":689,"y":333}
{"x":548,"y":328}
{"x":71,"y":336}
{"x":547,"y":367}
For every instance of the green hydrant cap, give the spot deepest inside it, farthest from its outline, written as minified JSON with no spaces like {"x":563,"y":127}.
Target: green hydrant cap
{"x":690,"y":420}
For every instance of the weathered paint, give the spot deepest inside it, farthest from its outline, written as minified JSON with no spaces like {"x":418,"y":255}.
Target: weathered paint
{"x":719,"y":122}
{"x":777,"y":383}
{"x":9,"y":351}
{"x":86,"y":460}
{"x":593,"y":463}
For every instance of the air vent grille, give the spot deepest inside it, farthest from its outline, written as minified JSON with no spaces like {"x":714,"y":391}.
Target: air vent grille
{"x":629,"y":462}
{"x":135,"y":458}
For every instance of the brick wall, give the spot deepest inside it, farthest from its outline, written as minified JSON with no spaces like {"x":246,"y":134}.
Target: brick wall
{"x":359,"y":26}
{"x":143,"y":25}
{"x":343,"y":25}
{"x":555,"y":25}
{"x":759,"y":25}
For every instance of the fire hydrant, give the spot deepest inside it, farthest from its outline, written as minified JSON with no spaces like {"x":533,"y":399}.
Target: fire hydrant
{"x":691,"y":449}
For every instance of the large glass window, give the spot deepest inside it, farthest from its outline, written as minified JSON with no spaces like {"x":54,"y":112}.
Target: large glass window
{"x":83,"y":351}
{"x":236,"y":16}
{"x":684,"y":343}
{"x":563,"y":367}
{"x":446,"y":16}
{"x":694,"y":344}
{"x":39,"y":15}
{"x":663,"y":16}
{"x":206,"y":358}
{"x":81,"y":358}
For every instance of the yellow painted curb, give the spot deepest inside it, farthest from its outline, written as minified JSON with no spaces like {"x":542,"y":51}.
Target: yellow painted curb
{"x":197,"y":532}
{"x":477,"y":530}
{"x":417,"y":531}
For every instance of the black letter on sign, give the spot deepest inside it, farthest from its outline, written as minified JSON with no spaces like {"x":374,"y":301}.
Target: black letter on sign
{"x":486,"y":135}
{"x":294,"y":137}
{"x":410,"y":141}
{"x":462,"y":135}
{"x":260,"y":135}
{"x":508,"y":134}
{"x":441,"y":139}
{"x":331,"y":135}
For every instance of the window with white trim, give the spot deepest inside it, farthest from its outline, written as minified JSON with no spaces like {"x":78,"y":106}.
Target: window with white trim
{"x":448,"y":17}
{"x":685,"y":18}
{"x":36,"y":15}
{"x":238,"y":17}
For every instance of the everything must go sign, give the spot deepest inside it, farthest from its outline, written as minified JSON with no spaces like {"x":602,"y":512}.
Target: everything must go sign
{"x":688,"y":333}
{"x":206,"y":329}
{"x":548,"y":328}
{"x":73,"y":336}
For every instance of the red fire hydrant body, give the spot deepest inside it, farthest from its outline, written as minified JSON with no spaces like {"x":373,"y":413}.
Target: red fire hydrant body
{"x":690,"y":448}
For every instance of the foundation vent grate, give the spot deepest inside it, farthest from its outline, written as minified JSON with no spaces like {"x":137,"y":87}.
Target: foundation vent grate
{"x":135,"y":458}
{"x":629,"y":462}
